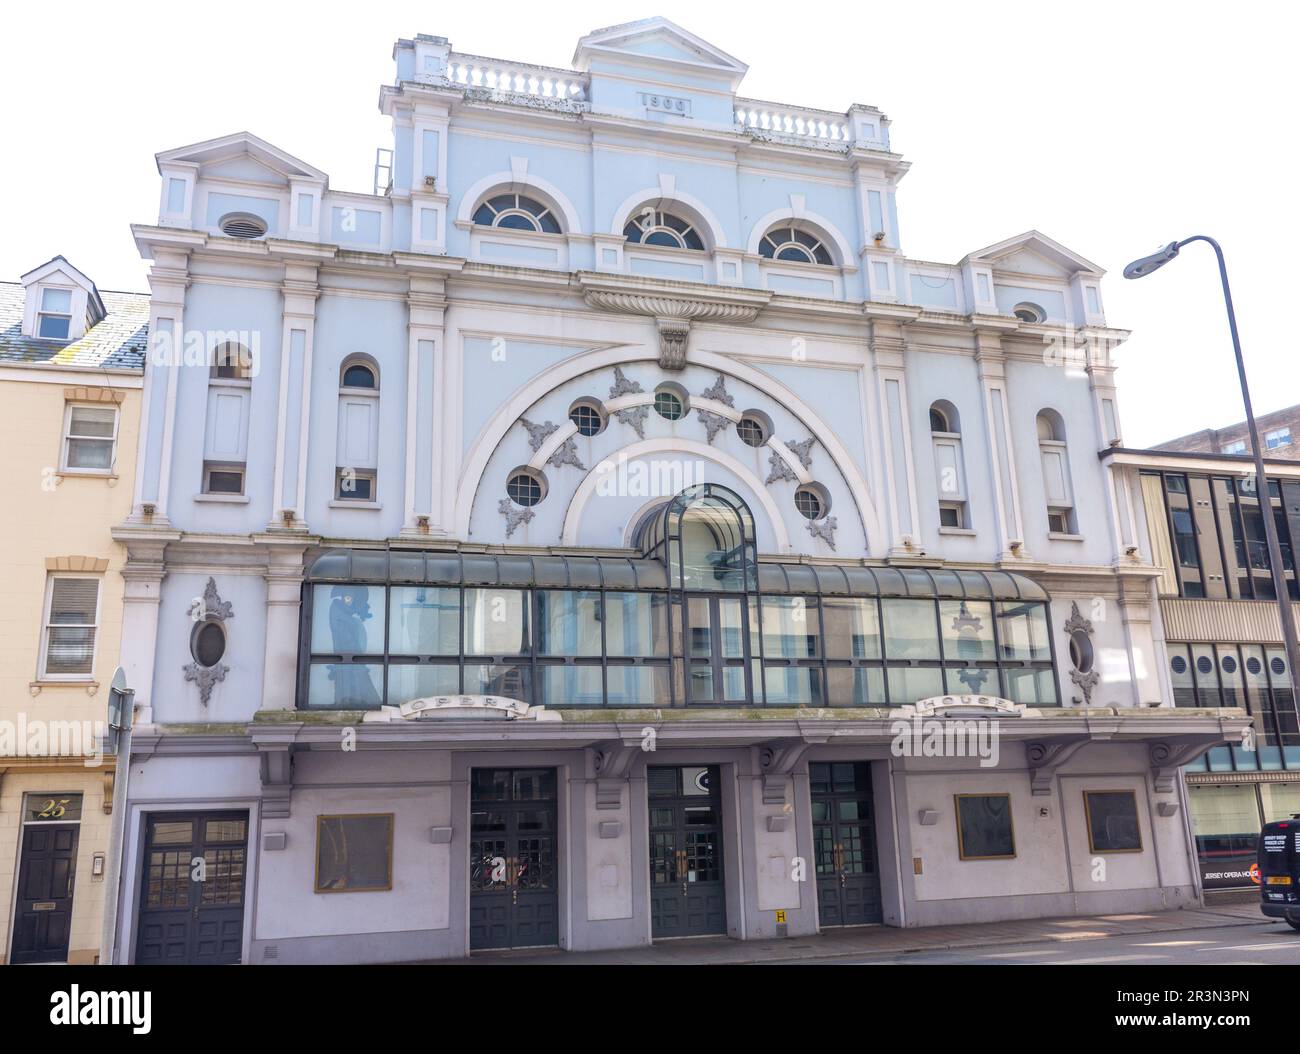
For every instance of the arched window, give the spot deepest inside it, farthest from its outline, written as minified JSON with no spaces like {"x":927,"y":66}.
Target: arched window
{"x":232,"y":361}
{"x":359,"y":372}
{"x":517,"y":212}
{"x":1057,"y":488}
{"x":789,"y":241}
{"x":650,"y":226}
{"x":949,"y":465}
{"x":356,"y":477}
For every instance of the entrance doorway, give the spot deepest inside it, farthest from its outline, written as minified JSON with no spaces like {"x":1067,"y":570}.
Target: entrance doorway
{"x":687,"y":897}
{"x":47,"y":872}
{"x":513,"y":898}
{"x":192,"y":896}
{"x":844,"y":843}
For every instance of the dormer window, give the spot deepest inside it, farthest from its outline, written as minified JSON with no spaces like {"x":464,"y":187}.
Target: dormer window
{"x":59,"y":302}
{"x":516,"y":212}
{"x":791,"y":243}
{"x":655,"y":227}
{"x":54,"y":321}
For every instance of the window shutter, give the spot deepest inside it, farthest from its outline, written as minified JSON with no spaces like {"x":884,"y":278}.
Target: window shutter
{"x":227,"y":425}
{"x":1056,"y":479}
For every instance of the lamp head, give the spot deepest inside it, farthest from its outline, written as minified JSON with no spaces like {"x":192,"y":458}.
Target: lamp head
{"x":1143,"y":267}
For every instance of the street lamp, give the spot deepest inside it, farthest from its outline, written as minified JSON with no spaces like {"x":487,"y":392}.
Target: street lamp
{"x":1140,"y":269}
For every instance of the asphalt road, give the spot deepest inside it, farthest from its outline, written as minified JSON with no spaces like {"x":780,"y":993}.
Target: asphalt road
{"x":1267,"y":943}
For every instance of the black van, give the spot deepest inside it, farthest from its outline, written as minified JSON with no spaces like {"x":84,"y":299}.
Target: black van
{"x":1279,"y":870}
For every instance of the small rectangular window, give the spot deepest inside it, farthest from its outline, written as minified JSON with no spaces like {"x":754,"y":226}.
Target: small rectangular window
{"x":354,"y":854}
{"x":71,"y":617}
{"x":1060,"y":521}
{"x":1237,"y":446}
{"x":355,"y":485}
{"x":952,"y":514}
{"x":54,"y":320}
{"x":223,"y":477}
{"x":88,"y":438}
{"x":1113,"y":822}
{"x":984,"y":827}
{"x":1277,"y":437}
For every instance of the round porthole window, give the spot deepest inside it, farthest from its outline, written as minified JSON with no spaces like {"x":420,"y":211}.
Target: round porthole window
{"x":1277,"y":666}
{"x":588,"y":416}
{"x":1229,"y":664}
{"x":525,"y":488}
{"x":1254,"y":666}
{"x":812,"y":501}
{"x":754,"y":428}
{"x":1081,"y":653}
{"x":1178,"y":664}
{"x":1203,"y":665}
{"x":208,"y":643}
{"x":242,"y":225}
{"x":670,"y":402}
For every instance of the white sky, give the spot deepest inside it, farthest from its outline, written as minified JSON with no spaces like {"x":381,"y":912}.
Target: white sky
{"x":1111,"y":127}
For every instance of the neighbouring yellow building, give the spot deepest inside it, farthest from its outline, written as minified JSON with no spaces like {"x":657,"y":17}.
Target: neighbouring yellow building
{"x":71,"y":368}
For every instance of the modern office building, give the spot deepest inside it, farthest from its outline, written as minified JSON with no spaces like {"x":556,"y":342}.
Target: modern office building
{"x":1222,"y":635}
{"x":71,"y":364}
{"x":603,"y":532}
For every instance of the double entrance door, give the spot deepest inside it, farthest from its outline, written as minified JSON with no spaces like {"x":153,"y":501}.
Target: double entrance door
{"x":513,"y":898}
{"x":192,"y":896}
{"x":844,"y":843}
{"x":687,"y":896}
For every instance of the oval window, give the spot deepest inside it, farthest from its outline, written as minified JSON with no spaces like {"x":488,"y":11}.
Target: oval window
{"x":208,"y":643}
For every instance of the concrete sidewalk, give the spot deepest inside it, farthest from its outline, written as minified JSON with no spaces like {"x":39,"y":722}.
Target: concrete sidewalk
{"x":888,"y":940}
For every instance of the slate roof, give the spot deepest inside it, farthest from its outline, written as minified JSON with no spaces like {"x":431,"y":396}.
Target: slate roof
{"x":118,"y":342}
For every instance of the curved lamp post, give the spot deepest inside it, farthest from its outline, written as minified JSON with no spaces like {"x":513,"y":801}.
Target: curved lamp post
{"x":1140,"y":269}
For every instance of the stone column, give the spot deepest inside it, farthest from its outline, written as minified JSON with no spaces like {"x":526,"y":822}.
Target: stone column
{"x":991,"y":362}
{"x":300,"y":292}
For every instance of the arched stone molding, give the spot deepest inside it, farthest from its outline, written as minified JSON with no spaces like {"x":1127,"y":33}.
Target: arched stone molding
{"x":670,"y":445}
{"x":764,"y":223}
{"x":520,"y":401}
{"x":663,"y":198}
{"x":519,"y":183}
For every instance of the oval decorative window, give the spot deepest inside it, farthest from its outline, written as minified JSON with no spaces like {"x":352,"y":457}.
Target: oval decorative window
{"x":208,"y":643}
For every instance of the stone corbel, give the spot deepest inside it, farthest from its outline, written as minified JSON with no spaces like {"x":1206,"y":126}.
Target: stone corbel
{"x":1045,"y":758}
{"x":612,"y":763}
{"x":110,"y":781}
{"x":674,"y":336}
{"x":1167,"y":758}
{"x":777,"y":761}
{"x":673,"y":306}
{"x":277,"y":782}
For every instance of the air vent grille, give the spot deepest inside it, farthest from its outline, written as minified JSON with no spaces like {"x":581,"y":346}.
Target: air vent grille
{"x":243,"y":225}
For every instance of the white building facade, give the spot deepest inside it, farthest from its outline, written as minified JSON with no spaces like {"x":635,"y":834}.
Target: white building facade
{"x":604,"y":533}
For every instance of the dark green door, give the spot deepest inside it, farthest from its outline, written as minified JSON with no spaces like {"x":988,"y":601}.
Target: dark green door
{"x":43,"y":912}
{"x":687,"y":897}
{"x":844,"y":842}
{"x":192,"y":895}
{"x":513,"y":898}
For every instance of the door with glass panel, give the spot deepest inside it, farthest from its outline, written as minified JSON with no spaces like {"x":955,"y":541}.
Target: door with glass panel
{"x":844,"y":844}
{"x":716,"y":648}
{"x":687,"y":897}
{"x":513,"y":898}
{"x":192,"y":895}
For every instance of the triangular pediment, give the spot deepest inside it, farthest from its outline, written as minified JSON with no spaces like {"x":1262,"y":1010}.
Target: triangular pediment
{"x":657,"y":41}
{"x":1035,"y":254}
{"x":242,"y":156}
